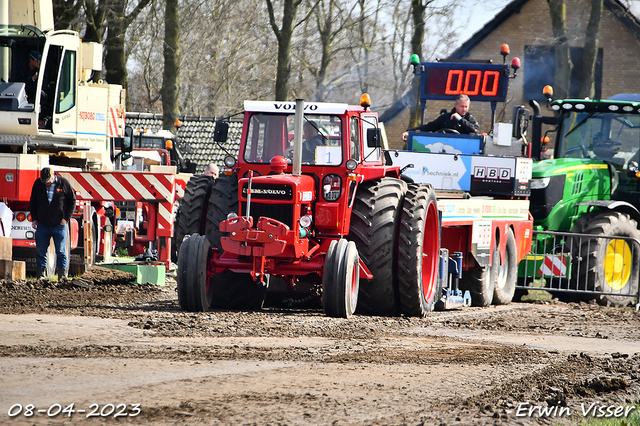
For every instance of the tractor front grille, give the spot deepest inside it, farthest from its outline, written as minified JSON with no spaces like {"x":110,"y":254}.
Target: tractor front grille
{"x":544,"y":200}
{"x":280,"y":212}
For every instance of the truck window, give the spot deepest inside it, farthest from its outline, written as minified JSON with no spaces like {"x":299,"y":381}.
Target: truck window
{"x":66,"y":83}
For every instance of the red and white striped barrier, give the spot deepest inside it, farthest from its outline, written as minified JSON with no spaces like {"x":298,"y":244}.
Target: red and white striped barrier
{"x":116,"y":123}
{"x":555,"y":266}
{"x":129,"y":186}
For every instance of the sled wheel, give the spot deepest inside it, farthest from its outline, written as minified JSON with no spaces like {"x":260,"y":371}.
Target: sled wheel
{"x":480,"y":283}
{"x":194,"y":294}
{"x":610,"y":265}
{"x":374,"y":227}
{"x":506,"y":272}
{"x":418,"y":251}
{"x":340,"y":280}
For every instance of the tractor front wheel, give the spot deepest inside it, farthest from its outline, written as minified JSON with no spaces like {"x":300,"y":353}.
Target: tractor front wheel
{"x":418,"y":251}
{"x":340,"y":280}
{"x":194,"y":293}
{"x":506,"y":272}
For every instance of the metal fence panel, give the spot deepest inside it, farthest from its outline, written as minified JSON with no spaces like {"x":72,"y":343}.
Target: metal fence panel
{"x":582,"y":266}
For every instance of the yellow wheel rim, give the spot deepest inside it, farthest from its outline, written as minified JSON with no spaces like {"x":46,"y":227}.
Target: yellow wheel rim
{"x":617,"y":264}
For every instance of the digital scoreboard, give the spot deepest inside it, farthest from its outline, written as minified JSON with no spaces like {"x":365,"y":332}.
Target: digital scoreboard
{"x":481,"y":82}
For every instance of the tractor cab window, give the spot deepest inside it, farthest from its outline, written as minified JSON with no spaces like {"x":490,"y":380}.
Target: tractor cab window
{"x":355,"y":139}
{"x":272,"y":134}
{"x":614,"y":138}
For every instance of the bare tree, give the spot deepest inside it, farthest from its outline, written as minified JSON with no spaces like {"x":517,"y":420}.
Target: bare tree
{"x":95,"y":12}
{"x":331,"y":24}
{"x":118,"y":20}
{"x":562,"y":74}
{"x":588,"y":87}
{"x":65,"y":13}
{"x":171,"y":73}
{"x":284,"y":34}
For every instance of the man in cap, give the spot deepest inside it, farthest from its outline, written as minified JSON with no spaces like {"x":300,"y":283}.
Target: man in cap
{"x":29,"y":75}
{"x":51,"y":205}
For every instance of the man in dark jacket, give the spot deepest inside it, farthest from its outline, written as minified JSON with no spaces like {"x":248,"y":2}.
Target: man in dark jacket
{"x":52,"y":204}
{"x":457,"y":121}
{"x":29,"y":75}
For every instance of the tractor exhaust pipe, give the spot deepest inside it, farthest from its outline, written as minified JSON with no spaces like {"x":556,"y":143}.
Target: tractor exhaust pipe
{"x":297,"y":138}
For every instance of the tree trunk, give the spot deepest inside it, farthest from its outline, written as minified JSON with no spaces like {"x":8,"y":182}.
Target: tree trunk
{"x":95,"y":19}
{"x":590,"y":55}
{"x":171,"y":74}
{"x":65,"y":12}
{"x":562,"y":76}
{"x":283,"y":35}
{"x":114,"y":60}
{"x":417,"y":13}
{"x":118,"y":21}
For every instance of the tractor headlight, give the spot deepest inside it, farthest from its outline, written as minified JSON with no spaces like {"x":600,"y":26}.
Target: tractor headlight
{"x":540,"y":183}
{"x":229,"y":161}
{"x":305,"y":221}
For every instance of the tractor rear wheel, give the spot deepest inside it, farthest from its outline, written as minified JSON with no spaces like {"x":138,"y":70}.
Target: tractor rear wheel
{"x":191,"y":215}
{"x":194,"y":292}
{"x":418,"y":251}
{"x":611,"y":265}
{"x":374,"y":227}
{"x":340,"y":280}
{"x":230,"y":290}
{"x":506,"y":272}
{"x":222,"y":201}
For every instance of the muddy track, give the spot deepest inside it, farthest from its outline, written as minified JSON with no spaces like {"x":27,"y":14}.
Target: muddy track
{"x":99,"y":340}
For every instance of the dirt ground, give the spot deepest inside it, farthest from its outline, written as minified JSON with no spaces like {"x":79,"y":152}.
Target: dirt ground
{"x":126,"y":354}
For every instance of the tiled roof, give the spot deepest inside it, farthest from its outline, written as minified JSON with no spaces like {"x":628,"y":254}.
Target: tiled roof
{"x":196,"y":133}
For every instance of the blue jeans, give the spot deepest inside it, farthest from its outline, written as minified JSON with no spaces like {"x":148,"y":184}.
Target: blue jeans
{"x":43,"y":237}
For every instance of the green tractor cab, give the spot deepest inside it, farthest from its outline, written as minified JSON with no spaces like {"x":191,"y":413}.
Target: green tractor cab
{"x":590,"y":193}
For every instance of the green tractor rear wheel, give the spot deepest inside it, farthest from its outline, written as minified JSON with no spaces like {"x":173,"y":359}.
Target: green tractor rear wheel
{"x":609,"y":265}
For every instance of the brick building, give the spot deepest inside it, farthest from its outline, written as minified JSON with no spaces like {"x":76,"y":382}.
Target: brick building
{"x":525,"y":26}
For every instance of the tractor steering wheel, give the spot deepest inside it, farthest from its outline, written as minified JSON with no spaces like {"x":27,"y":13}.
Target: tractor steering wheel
{"x":447,"y":130}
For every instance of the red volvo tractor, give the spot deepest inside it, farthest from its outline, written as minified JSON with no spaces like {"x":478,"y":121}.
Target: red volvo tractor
{"x":324,"y":214}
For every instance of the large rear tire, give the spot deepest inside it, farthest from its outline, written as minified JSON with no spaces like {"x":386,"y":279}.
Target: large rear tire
{"x":340,"y":280}
{"x":418,"y":251}
{"x":222,"y":201}
{"x":230,"y":290}
{"x":194,"y":293}
{"x":506,"y":272}
{"x":610,"y":265}
{"x":374,"y":228}
{"x":192,"y":211}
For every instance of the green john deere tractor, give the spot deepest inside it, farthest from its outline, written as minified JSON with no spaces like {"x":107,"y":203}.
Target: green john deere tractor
{"x":591,"y":186}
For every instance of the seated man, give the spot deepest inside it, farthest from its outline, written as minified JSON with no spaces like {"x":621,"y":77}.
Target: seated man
{"x":28,"y":74}
{"x":311,"y":139}
{"x":457,"y":121}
